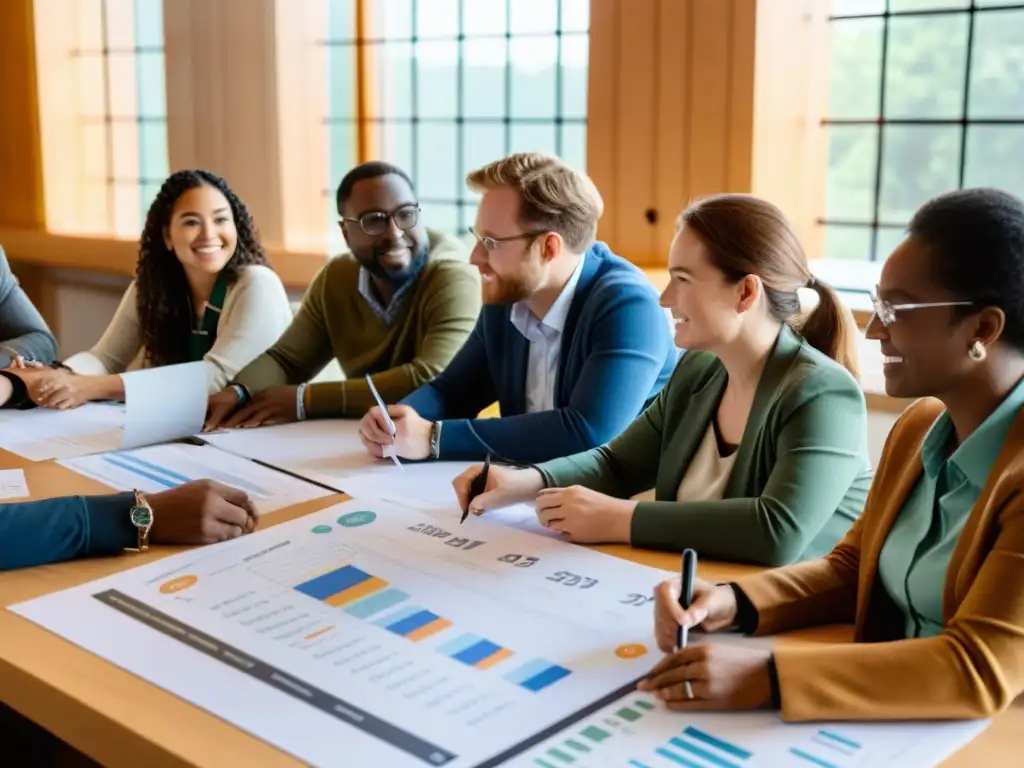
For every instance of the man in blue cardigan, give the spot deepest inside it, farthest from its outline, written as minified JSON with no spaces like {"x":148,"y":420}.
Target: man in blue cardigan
{"x":571,"y":342}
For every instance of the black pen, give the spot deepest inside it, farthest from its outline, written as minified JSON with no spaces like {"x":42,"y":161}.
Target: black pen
{"x":688,"y":573}
{"x":477,"y":487}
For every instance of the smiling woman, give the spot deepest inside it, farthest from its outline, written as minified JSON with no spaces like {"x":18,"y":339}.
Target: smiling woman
{"x":203,"y":292}
{"x":932,"y":573}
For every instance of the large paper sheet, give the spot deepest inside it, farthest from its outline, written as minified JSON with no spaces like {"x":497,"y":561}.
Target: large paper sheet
{"x":370,"y":635}
{"x":161,"y":404}
{"x":161,"y":467}
{"x":42,"y":434}
{"x":330,"y":452}
{"x":639,"y":732}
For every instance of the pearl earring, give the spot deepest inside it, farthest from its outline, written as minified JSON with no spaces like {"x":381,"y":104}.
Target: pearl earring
{"x":977,"y":351}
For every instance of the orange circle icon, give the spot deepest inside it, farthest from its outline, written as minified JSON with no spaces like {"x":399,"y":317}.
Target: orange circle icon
{"x":631,"y":651}
{"x":178,"y":584}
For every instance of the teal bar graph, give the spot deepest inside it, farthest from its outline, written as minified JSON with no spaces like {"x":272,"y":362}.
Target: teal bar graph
{"x":376,"y":603}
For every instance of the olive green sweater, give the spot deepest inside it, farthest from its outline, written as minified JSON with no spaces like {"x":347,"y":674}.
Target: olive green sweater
{"x":434,"y":319}
{"x":800,"y":476}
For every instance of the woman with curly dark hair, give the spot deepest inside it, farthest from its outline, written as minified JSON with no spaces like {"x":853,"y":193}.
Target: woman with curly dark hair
{"x":203,"y":292}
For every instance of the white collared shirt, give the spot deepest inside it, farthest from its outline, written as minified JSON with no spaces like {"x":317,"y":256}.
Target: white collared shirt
{"x":545,"y":336}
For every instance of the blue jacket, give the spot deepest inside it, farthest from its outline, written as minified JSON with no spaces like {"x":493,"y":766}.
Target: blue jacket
{"x":616,"y":354}
{"x":22,"y":329}
{"x":40,"y":532}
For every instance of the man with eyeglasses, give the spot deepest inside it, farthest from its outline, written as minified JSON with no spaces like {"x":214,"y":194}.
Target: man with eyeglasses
{"x":571,"y":343}
{"x":398,"y":307}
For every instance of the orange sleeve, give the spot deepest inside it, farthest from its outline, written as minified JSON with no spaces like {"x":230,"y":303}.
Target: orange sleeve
{"x":974,"y":668}
{"x":822,"y":591}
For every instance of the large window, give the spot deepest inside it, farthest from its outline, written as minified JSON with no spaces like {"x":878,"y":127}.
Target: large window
{"x":443,"y":86}
{"x":926,"y":96}
{"x":103,"y":112}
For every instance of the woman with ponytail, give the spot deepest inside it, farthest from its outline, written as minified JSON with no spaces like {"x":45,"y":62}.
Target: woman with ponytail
{"x":757,"y":446}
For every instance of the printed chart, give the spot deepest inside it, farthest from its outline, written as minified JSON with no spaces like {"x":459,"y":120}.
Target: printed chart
{"x":161,"y":467}
{"x":637,"y":732}
{"x":42,"y":434}
{"x":429,"y":644}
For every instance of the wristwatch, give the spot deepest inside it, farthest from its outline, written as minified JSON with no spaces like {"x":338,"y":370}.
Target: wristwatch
{"x":435,"y":440}
{"x":141,"y":515}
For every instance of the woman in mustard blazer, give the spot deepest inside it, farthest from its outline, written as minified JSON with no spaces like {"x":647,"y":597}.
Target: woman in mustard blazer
{"x":932,"y":573}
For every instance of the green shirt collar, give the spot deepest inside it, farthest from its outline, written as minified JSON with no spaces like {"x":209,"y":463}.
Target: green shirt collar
{"x":976,"y":455}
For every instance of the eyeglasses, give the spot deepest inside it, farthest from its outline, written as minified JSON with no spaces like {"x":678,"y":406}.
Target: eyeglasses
{"x":886,"y":312}
{"x":375,"y":223}
{"x":493,"y":243}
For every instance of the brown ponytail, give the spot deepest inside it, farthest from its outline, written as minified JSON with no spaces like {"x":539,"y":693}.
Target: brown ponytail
{"x":746,"y":235}
{"x":831,"y":328}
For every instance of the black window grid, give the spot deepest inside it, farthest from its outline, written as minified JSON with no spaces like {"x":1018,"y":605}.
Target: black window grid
{"x":463,"y":202}
{"x":965,"y":121}
{"x":108,"y":119}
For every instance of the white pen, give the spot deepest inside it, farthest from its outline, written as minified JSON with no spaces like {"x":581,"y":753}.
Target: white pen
{"x":388,"y":450}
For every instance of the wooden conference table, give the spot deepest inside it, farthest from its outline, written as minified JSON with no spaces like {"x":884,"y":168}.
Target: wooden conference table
{"x":120,"y":720}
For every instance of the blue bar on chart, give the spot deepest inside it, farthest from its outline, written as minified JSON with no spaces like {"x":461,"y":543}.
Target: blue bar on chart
{"x":459,"y":644}
{"x":677,"y":758}
{"x":537,"y":674}
{"x":717,"y":743}
{"x":419,"y":625}
{"x":712,"y":758}
{"x":333,"y":582}
{"x":395,"y":616}
{"x":836,"y":742}
{"x":166,"y":480}
{"x":812,"y":759}
{"x":381,"y":601}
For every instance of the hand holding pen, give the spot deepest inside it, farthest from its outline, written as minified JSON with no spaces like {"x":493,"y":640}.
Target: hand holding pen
{"x":492,"y":486}
{"x":389,"y":450}
{"x":712,"y":607}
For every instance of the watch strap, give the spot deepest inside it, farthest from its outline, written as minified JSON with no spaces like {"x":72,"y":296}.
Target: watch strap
{"x":435,"y":440}
{"x":142,"y":531}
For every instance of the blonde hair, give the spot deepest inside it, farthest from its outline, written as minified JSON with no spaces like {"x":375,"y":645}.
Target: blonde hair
{"x":555,"y":197}
{"x":747,"y":235}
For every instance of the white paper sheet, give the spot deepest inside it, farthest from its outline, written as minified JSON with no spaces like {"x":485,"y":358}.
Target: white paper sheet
{"x":42,"y":434}
{"x":329,"y":452}
{"x":161,"y":467}
{"x":161,"y":404}
{"x":164,"y":404}
{"x":368,"y":634}
{"x":639,"y":732}
{"x":13,"y":484}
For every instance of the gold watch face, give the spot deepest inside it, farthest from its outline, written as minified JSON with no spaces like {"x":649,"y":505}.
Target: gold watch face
{"x":141,"y":517}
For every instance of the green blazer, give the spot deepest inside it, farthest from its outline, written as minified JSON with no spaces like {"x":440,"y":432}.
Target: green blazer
{"x":800,"y":476}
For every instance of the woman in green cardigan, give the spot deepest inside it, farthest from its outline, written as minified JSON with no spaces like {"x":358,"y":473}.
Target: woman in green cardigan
{"x":757,"y":446}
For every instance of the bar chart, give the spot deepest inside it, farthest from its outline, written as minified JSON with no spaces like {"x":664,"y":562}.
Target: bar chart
{"x":365,"y":596}
{"x":637,"y":731}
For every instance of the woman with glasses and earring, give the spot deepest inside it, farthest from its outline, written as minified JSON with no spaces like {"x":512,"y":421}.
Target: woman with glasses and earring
{"x":398,"y":308}
{"x":932,"y":573}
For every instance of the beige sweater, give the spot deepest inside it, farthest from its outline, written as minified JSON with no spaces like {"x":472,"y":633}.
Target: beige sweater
{"x":255,"y":313}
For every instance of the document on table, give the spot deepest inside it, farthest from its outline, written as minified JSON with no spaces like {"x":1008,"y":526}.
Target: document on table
{"x":13,"y":484}
{"x":330,"y":452}
{"x":161,"y":404}
{"x":369,"y":634}
{"x":638,"y":731}
{"x":161,"y":467}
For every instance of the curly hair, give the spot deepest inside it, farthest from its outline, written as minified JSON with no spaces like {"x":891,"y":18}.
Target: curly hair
{"x":163,"y":308}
